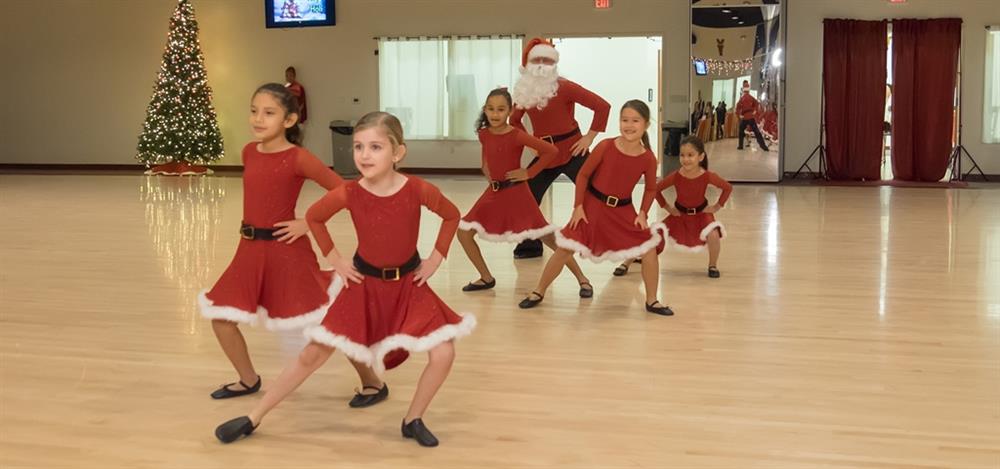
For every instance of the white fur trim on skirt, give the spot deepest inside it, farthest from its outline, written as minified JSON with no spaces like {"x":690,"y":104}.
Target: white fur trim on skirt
{"x":374,"y":354}
{"x":311,"y":318}
{"x":675,"y":246}
{"x":614,"y":256}
{"x":507,"y":237}
{"x":209,"y":310}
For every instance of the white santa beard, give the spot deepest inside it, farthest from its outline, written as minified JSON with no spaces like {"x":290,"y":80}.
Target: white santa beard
{"x":536,"y":86}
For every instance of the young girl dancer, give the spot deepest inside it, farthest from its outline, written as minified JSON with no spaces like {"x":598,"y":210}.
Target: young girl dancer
{"x":386,"y":308}
{"x":274,"y":277}
{"x":507,"y":212}
{"x":691,"y":223}
{"x":605,"y":225}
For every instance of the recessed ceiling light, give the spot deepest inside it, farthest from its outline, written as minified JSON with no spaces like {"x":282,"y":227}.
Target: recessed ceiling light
{"x":736,"y":17}
{"x":741,"y":22}
{"x":726,"y":10}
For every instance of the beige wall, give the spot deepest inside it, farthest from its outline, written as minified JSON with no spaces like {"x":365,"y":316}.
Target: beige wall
{"x":804,"y":60}
{"x":83,"y":74}
{"x":84,"y":71}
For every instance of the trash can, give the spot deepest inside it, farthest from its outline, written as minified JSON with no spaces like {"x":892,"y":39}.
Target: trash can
{"x":675,"y":133}
{"x":343,"y":148}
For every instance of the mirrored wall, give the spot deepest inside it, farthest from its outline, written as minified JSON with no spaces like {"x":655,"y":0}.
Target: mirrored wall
{"x":737,"y":75}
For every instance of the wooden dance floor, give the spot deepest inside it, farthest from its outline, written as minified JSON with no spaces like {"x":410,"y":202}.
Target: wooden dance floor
{"x":852,"y":327}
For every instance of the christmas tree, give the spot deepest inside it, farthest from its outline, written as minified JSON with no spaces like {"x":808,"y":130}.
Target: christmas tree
{"x":180,"y":130}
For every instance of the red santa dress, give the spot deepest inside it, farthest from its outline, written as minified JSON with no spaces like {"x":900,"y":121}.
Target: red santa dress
{"x":271,"y":282}
{"x":611,"y":233}
{"x":379,"y":321}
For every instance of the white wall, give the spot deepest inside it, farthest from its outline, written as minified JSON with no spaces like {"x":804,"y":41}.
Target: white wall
{"x":804,"y":59}
{"x":84,"y":70}
{"x":639,"y":55}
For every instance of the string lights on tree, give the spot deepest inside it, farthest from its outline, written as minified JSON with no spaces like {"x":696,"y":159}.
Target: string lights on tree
{"x":180,"y":133}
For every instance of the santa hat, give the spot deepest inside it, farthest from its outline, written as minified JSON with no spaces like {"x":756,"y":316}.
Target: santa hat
{"x":538,"y":47}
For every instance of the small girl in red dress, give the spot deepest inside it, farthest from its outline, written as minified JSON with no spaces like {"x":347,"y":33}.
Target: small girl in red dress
{"x":691,"y":223}
{"x":507,"y":212}
{"x":386,"y":309}
{"x":274,"y":278}
{"x":605,"y":225}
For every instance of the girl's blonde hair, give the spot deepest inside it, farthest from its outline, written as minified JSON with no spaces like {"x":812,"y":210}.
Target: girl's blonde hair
{"x":387,"y":123}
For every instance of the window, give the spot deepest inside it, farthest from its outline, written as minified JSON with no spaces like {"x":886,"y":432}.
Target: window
{"x":437,"y":86}
{"x":722,"y":90}
{"x":991,"y":93}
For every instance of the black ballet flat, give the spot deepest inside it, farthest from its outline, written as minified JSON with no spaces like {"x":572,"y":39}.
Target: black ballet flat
{"x":234,"y":429}
{"x":620,"y":271}
{"x":225,"y":393}
{"x":473,"y":286}
{"x":713,"y":272}
{"x":368,"y":400}
{"x":529,"y":303}
{"x":661,"y":310}
{"x":586,"y":292}
{"x":418,"y":431}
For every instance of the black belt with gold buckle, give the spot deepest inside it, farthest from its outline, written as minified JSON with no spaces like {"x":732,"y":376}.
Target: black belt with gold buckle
{"x":253,"y":233}
{"x":558,"y":138}
{"x":389,"y":274}
{"x":501,"y":185}
{"x":691,"y":210}
{"x":609,"y":200}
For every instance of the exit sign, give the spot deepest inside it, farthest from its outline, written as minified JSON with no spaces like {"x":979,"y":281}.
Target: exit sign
{"x":602,"y":4}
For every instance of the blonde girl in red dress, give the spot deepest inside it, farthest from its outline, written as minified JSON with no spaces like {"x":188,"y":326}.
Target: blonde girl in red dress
{"x":274,"y":278}
{"x":386,"y":309}
{"x":507,"y":212}
{"x":605,"y":224}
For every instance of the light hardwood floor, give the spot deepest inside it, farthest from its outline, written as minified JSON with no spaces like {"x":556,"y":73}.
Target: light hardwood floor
{"x":852,"y":327}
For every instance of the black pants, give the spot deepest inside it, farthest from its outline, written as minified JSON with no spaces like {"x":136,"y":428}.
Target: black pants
{"x":744,"y":123}
{"x":539,"y":185}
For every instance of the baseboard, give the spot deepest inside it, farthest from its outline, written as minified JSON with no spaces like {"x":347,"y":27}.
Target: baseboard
{"x":18,"y":168}
{"x":443,"y":171}
{"x":806,"y":178}
{"x":980,"y":178}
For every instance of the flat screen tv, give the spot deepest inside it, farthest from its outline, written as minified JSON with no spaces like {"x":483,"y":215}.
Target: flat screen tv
{"x":700,"y":68}
{"x":299,"y":13}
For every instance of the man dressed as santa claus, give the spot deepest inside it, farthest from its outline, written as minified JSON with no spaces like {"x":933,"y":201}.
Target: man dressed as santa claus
{"x":550,"y":100}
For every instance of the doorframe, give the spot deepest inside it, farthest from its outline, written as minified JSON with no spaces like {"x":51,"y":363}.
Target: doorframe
{"x":659,"y":74}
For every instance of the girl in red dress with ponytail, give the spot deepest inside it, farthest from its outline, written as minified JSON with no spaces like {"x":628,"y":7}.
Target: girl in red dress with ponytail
{"x":605,"y":224}
{"x":691,"y":222}
{"x":507,"y":212}
{"x":274,"y":278}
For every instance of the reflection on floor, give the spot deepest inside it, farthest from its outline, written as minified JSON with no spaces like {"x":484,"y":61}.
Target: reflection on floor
{"x":748,"y":164}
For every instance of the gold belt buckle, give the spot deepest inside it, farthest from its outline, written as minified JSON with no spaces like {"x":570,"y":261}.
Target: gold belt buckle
{"x":247,"y":232}
{"x":549,"y":139}
{"x":393,"y":274}
{"x":611,"y":201}
{"x":692,"y":211}
{"x":495,"y":185}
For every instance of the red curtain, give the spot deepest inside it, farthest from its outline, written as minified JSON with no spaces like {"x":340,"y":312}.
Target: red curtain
{"x":925,"y":68}
{"x":854,"y":92}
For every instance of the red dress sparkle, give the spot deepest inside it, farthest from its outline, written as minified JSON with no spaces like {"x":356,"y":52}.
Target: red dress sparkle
{"x":611,"y":233}
{"x":272,"y":282}
{"x":689,"y":232}
{"x":378,"y":322}
{"x":509,"y":214}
